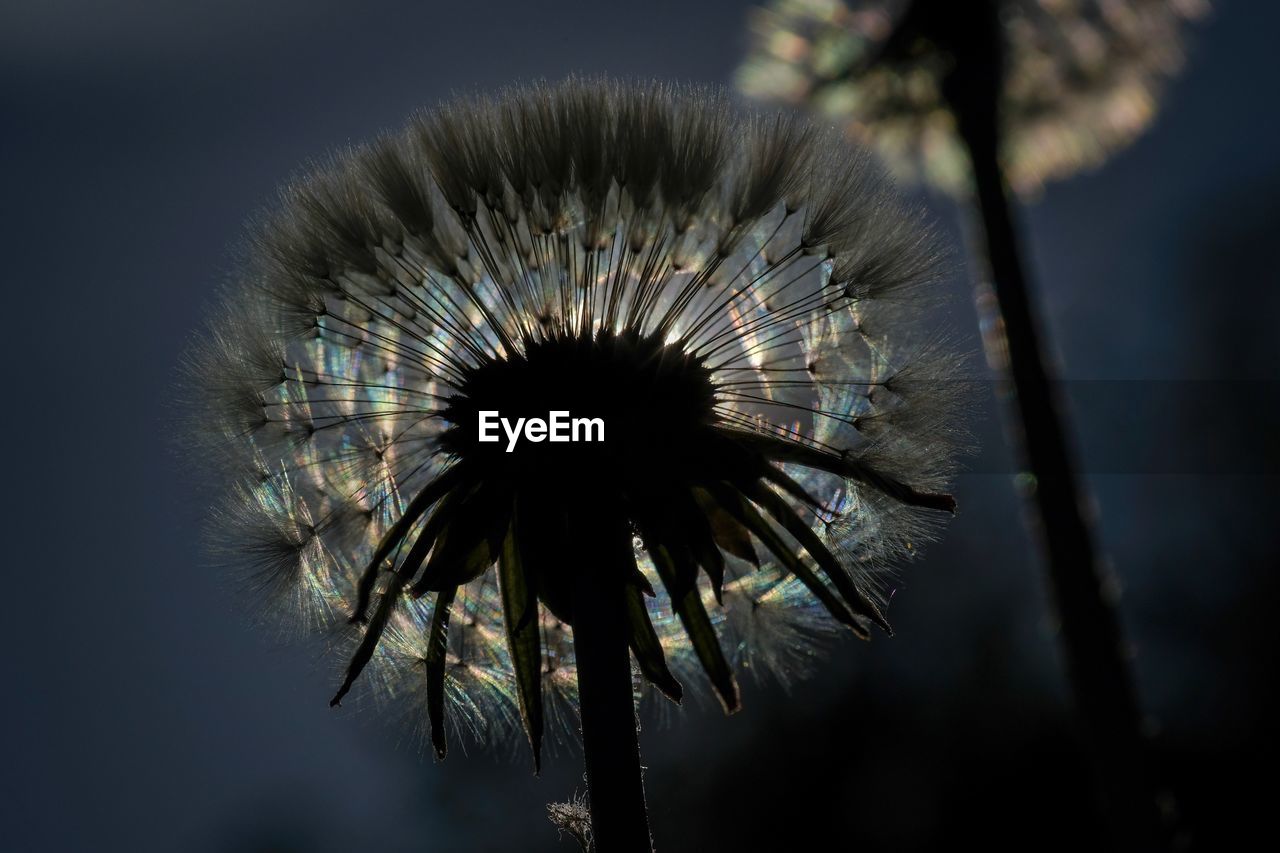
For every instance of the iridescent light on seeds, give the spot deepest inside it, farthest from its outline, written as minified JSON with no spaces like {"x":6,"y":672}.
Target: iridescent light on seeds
{"x":1083,"y":80}
{"x":749,"y":253}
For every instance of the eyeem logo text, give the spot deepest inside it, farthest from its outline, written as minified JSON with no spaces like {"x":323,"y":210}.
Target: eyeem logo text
{"x":558,"y":427}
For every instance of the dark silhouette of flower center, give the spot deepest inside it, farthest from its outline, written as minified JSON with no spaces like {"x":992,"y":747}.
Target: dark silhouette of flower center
{"x":932,"y":24}
{"x":618,"y":411}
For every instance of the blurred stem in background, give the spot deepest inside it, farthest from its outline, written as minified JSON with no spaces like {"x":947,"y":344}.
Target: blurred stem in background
{"x":1095,"y":652}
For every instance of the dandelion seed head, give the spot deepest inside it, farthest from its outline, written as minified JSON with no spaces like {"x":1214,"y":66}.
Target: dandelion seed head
{"x":1083,"y":78}
{"x":736,"y":295}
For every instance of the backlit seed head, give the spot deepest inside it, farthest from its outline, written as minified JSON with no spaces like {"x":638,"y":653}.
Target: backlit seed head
{"x":1082,"y":77}
{"x":735,"y":296}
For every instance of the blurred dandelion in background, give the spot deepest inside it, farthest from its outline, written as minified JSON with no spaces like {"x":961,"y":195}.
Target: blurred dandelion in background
{"x":984,"y":100}
{"x":735,"y":296}
{"x":1083,"y":80}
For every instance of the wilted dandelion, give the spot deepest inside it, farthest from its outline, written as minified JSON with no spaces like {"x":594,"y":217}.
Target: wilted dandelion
{"x":723,"y":307}
{"x":1083,"y":77}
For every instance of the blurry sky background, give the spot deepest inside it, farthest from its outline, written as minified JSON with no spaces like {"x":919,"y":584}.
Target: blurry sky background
{"x":142,"y":710}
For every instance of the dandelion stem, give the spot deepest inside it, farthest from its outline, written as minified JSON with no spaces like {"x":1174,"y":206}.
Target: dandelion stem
{"x":1091,"y":634}
{"x":615,"y":785}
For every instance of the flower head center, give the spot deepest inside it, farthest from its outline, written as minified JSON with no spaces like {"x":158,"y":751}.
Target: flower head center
{"x":574,"y":407}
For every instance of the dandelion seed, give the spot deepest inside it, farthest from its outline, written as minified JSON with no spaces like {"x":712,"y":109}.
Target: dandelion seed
{"x":1083,"y":77}
{"x":574,"y":818}
{"x":731,"y":295}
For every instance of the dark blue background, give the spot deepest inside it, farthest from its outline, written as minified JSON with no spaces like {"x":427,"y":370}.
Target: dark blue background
{"x":142,"y":711}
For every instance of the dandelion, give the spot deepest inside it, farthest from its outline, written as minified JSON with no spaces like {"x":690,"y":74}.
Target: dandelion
{"x":979,"y":99}
{"x":1084,"y":77}
{"x":732,"y":298}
